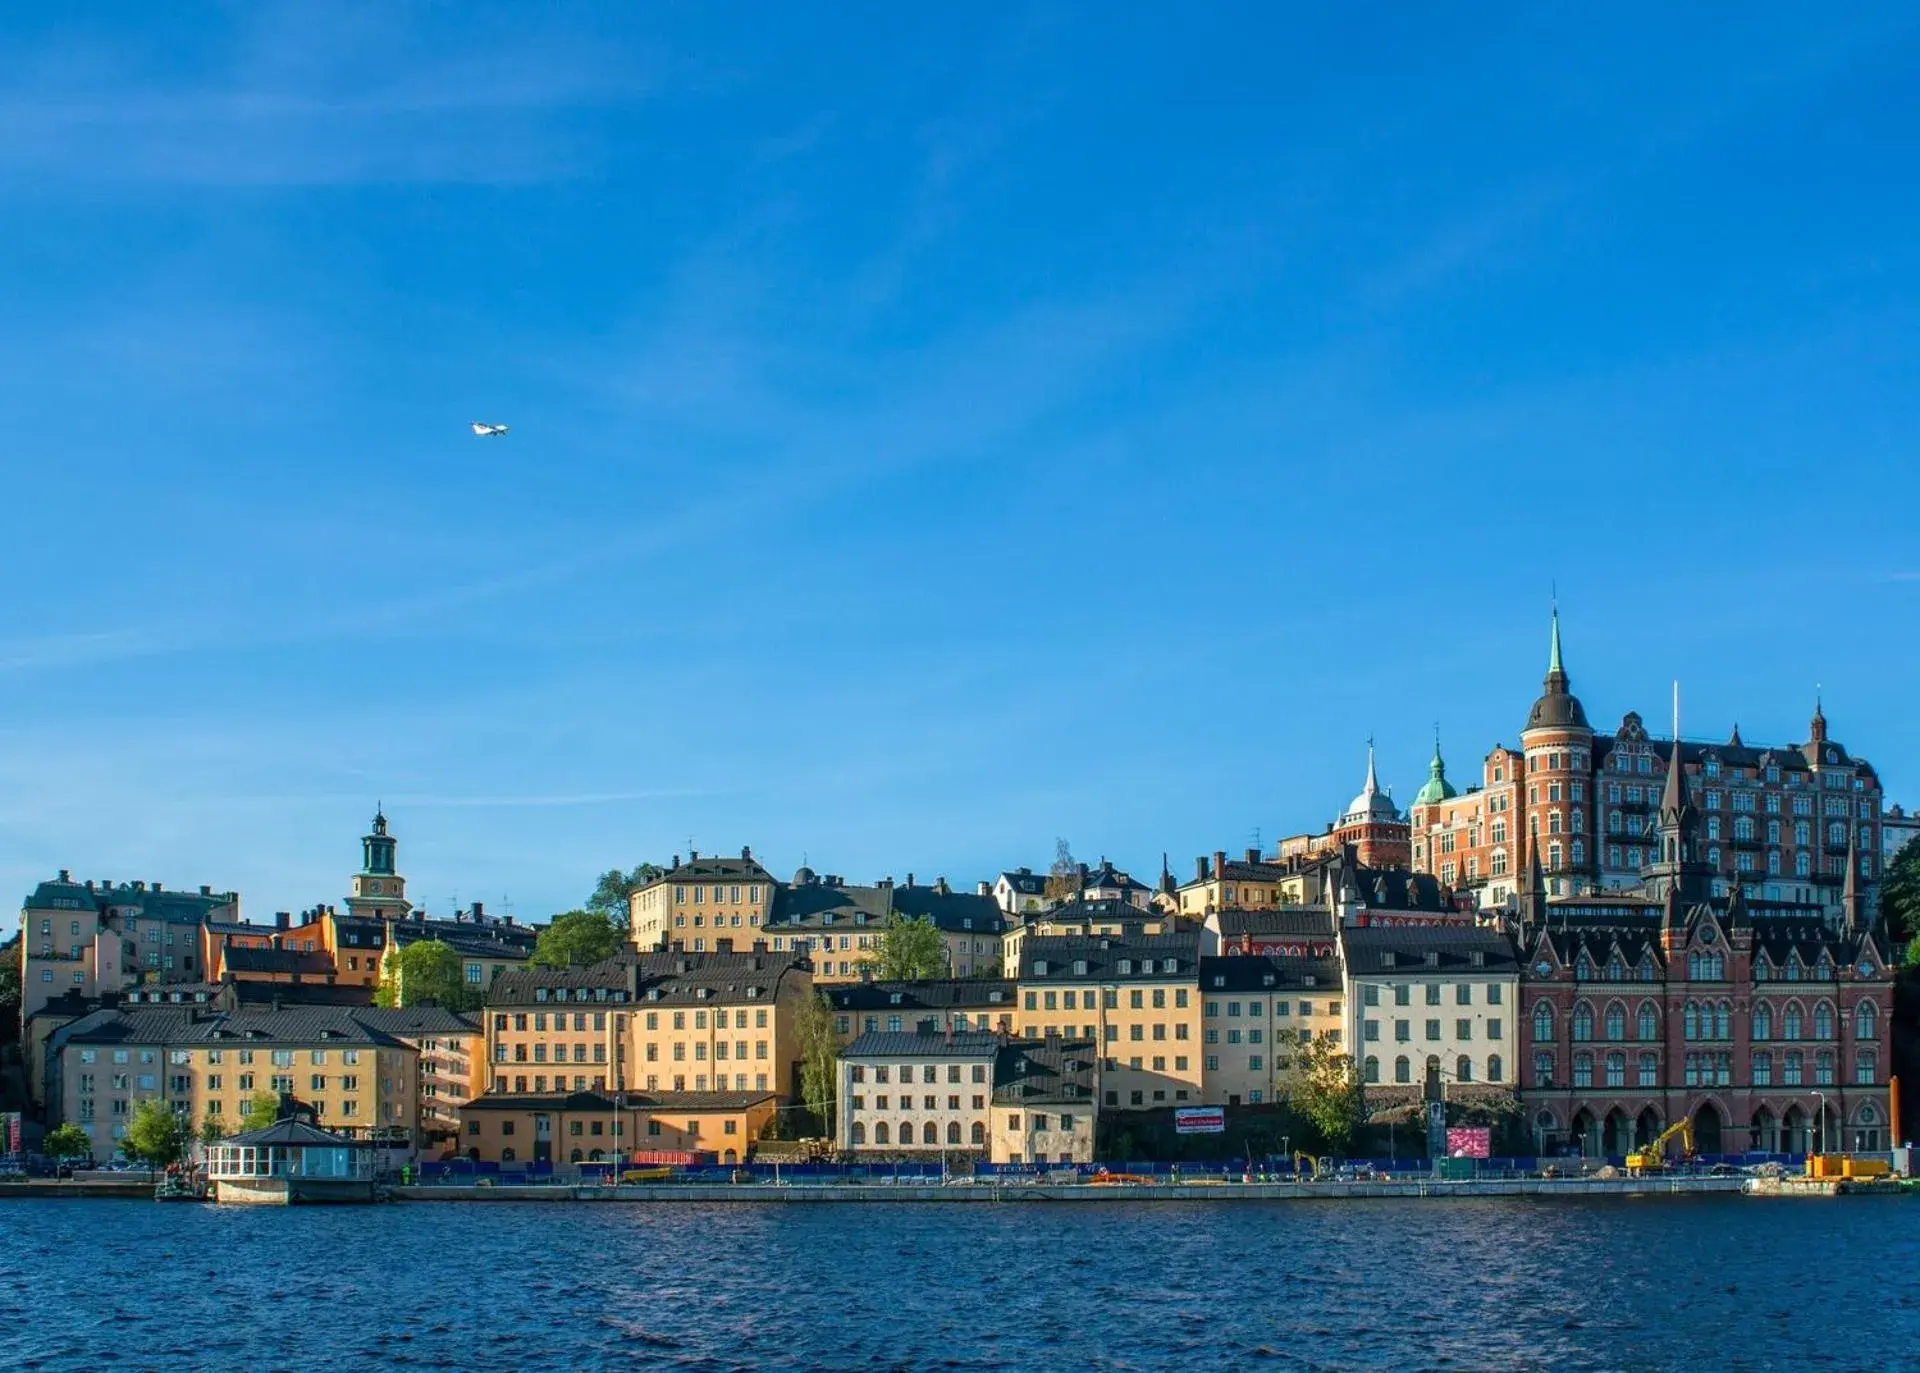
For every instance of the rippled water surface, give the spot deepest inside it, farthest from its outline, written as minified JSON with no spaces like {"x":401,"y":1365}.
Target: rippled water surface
{"x":1724,"y":1283}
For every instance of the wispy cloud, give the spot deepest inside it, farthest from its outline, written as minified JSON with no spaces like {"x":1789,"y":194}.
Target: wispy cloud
{"x":316,"y":95}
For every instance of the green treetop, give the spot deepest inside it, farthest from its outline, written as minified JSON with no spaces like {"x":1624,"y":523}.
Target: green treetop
{"x":578,"y":938}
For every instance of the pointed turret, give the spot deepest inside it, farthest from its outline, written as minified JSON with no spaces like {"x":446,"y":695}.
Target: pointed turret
{"x":1678,"y":874}
{"x":1558,"y":707}
{"x":1850,"y":904}
{"x":1533,"y":903}
{"x":1817,"y":728}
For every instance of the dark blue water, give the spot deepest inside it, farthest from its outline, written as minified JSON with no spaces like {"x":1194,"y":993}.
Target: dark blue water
{"x":1722,"y":1283}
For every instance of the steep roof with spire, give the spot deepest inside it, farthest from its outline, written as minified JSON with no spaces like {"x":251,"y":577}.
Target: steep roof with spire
{"x":1372,"y":803}
{"x":1558,"y":707}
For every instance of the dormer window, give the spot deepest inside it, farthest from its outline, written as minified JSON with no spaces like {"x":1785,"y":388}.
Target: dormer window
{"x":1039,"y":967}
{"x":1387,"y":959}
{"x":1219,"y":981}
{"x":1079,"y":967}
{"x":1126,"y":966}
{"x":966,"y":923}
{"x":753,"y":993}
{"x":894,"y":999}
{"x":1478,"y":958}
{"x":1266,"y":980}
{"x":1310,"y":980}
{"x":539,"y":993}
{"x":1168,"y":965}
{"x":1433,"y":960}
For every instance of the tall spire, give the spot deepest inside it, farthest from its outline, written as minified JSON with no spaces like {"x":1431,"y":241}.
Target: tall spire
{"x":1558,"y":707}
{"x":1817,"y":731}
{"x":1437,"y":787}
{"x":1373,"y":782}
{"x":1850,"y":888}
{"x":1553,"y":656}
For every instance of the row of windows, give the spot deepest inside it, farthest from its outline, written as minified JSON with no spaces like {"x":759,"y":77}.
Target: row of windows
{"x":280,"y":1058}
{"x":1708,"y":1020}
{"x":1463,"y":1070}
{"x":928,"y":1102}
{"x":1281,"y":1008}
{"x":1709,"y":1070}
{"x":930,"y":1133}
{"x":519,"y":1082}
{"x":721,"y":894}
{"x":929,"y":1072}
{"x":1403,"y":995}
{"x":1109,"y":998}
{"x":1403,"y":1030}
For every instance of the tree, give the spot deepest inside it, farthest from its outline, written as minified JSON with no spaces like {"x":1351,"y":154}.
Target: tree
{"x":1900,"y":895}
{"x":66,"y":1141}
{"x":428,"y":970}
{"x":155,"y":1135}
{"x":908,"y":950}
{"x":819,"y":1048}
{"x":262,"y":1109}
{"x":212,"y":1131}
{"x":1063,"y":878}
{"x":610,"y":893}
{"x":1326,"y":1091}
{"x":578,"y":937}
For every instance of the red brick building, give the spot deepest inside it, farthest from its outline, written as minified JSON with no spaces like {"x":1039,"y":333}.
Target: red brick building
{"x":1776,"y":821}
{"x":1765,"y":1023}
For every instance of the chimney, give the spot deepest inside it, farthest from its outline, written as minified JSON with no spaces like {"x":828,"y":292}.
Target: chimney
{"x":909,"y":879}
{"x":1220,"y":862}
{"x":759,"y":946}
{"x":1200,"y":869}
{"x":1253,"y":855}
{"x":982,"y":889}
{"x":157,"y":887}
{"x":940,"y":885}
{"x":139,"y":885}
{"x":66,"y":876}
{"x":1083,"y":869}
{"x":746,"y":852}
{"x":479,"y":912}
{"x":205,"y":890}
{"x":693,"y":855}
{"x":282,"y":919}
{"x":676,"y":860}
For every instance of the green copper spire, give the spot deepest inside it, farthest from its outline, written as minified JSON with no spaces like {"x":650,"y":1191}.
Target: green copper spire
{"x":1437,"y":787}
{"x":1553,"y":660}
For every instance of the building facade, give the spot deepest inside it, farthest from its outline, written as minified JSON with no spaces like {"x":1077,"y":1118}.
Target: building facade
{"x":1431,"y":1014}
{"x":92,"y":938}
{"x":1763,"y":1023}
{"x":630,"y":1128}
{"x":1138,"y":999}
{"x":1255,"y":1012}
{"x":660,"y":1022}
{"x":1776,"y":820}
{"x":916,"y":1093}
{"x":703,"y":905}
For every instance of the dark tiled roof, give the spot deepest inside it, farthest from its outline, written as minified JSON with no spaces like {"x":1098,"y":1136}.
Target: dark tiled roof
{"x":816,"y":903}
{"x":711,"y":868}
{"x":1108,"y":876}
{"x":1026,"y":882}
{"x":905,"y":1044}
{"x":291,"y":1025}
{"x":408,"y":1021}
{"x":955,"y":912}
{"x":1045,"y":1072}
{"x":1307,"y":920}
{"x":1104,"y":910}
{"x":301,"y":993}
{"x":978,"y":993}
{"x":1366,"y":950}
{"x":174,"y":907}
{"x":293,"y":1132}
{"x":674,"y":978}
{"x":468,"y":938}
{"x":1051,"y":958}
{"x":1396,"y":889}
{"x":240,"y":959}
{"x":1258,"y":973}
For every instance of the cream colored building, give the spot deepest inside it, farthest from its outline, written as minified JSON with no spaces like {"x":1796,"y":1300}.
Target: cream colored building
{"x":703,"y":905}
{"x":1138,"y":999}
{"x":837,"y":925}
{"x":207,"y":1065}
{"x":1440,"y":1001}
{"x":1105,"y":917}
{"x":661,"y":1022}
{"x":916,"y":1093}
{"x":1255,"y":1012}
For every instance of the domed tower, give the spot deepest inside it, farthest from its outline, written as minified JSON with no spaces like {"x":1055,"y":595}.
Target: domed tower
{"x":378,"y":888}
{"x":1558,"y":744}
{"x":1379,"y":833}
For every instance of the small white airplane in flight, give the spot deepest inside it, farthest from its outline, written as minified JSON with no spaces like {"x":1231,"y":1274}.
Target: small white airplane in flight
{"x":489,"y":431}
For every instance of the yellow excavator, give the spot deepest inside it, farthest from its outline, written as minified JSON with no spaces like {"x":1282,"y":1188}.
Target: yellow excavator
{"x":1653,"y":1157}
{"x":1305,"y":1168}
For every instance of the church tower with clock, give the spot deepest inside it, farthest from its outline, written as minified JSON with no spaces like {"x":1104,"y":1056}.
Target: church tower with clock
{"x":379,"y":890}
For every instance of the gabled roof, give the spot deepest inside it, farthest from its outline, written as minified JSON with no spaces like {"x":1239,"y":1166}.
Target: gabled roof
{"x":1026,"y":881}
{"x":1053,"y":958}
{"x":407,"y":1021}
{"x":672,"y":977}
{"x":712,"y":868}
{"x":1375,"y":950}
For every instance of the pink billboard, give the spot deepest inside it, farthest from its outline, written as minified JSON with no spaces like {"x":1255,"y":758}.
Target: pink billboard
{"x":1469,"y":1141}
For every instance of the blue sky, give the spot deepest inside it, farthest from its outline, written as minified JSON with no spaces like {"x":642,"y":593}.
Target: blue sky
{"x":932,"y":434}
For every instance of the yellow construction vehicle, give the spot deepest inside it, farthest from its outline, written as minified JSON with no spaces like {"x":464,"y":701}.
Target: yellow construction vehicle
{"x":1653,"y":1157}
{"x":1845,"y":1167}
{"x":1305,"y":1169}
